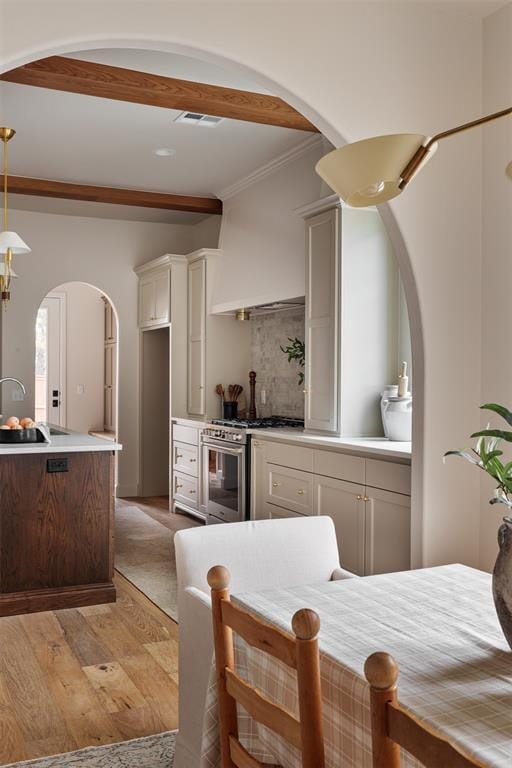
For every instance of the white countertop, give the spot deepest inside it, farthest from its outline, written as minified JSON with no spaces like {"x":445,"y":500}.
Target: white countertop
{"x":368,"y":446}
{"x":71,"y":442}
{"x":197,"y":423}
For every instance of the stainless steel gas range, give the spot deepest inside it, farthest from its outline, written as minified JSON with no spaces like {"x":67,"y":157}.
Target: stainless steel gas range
{"x":225,"y":446}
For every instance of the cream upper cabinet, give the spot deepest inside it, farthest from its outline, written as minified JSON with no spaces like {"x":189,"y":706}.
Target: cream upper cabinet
{"x":354,"y":318}
{"x":162,"y":297}
{"x":154,"y":298}
{"x":196,"y":337}
{"x":321,"y":388}
{"x":344,"y":503}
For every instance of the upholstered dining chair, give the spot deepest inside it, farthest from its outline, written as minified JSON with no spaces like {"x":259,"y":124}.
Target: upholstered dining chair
{"x":259,"y":554}
{"x":393,"y":727}
{"x":298,"y":651}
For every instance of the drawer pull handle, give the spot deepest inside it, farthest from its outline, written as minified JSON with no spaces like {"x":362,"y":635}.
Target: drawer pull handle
{"x":191,"y":491}
{"x":359,"y":497}
{"x":179,"y":455}
{"x":301,"y":492}
{"x":178,"y":486}
{"x":276,"y":485}
{"x":192,"y":461}
{"x":305,"y":391}
{"x":366,"y":498}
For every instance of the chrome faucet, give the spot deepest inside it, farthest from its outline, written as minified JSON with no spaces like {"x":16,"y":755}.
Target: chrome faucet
{"x":18,"y":382}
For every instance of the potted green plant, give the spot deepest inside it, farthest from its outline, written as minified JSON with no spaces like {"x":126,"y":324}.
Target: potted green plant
{"x":296,"y":351}
{"x":487,"y":456}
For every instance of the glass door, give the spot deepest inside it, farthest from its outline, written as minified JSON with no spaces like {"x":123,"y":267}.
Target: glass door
{"x":225,"y":483}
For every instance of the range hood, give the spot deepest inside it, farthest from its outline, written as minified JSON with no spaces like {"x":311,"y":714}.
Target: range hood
{"x":245,"y":313}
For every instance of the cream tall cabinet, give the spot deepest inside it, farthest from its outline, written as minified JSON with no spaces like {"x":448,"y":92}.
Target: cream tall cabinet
{"x":196,"y":337}
{"x":368,"y":499}
{"x":218,"y":346}
{"x":322,"y":321}
{"x":352,"y":318}
{"x":154,"y":298}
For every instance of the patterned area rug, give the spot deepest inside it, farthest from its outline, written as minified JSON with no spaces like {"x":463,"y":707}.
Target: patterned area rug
{"x":145,"y":555}
{"x":149,"y":752}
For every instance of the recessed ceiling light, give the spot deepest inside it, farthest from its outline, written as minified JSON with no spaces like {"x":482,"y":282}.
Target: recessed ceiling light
{"x":164,"y":152}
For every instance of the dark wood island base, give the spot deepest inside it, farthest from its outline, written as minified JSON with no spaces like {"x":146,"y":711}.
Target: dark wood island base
{"x":56,"y":530}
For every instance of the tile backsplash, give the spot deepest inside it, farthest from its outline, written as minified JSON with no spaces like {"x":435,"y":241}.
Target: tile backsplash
{"x":274,"y":374}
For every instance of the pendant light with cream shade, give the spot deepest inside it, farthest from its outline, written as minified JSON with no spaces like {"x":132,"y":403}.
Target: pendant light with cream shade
{"x":375,"y":170}
{"x":11,"y":243}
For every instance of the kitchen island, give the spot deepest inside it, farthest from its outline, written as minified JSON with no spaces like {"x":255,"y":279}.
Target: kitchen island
{"x":56,"y":523}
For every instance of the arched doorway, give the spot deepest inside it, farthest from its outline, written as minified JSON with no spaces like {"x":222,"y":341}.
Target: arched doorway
{"x":76,"y":360}
{"x":336,"y":137}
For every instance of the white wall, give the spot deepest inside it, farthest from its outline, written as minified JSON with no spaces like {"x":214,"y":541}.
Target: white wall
{"x":497,"y":253}
{"x":85,"y":334}
{"x":101,"y":252}
{"x":357,"y":69}
{"x":262,"y":238}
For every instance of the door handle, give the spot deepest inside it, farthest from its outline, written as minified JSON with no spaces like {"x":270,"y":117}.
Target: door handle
{"x":178,"y":486}
{"x":179,"y":455}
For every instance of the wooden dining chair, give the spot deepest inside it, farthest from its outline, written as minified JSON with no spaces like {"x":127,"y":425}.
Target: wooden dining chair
{"x":393,"y":727}
{"x":300,"y":652}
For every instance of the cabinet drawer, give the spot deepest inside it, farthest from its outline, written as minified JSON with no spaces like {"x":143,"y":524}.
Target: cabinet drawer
{"x":290,"y":488}
{"x":185,"y":434}
{"x":184,"y":458}
{"x":185,"y":490}
{"x":389,"y":476}
{"x":290,"y":456}
{"x":272,"y":512}
{"x":339,"y":465}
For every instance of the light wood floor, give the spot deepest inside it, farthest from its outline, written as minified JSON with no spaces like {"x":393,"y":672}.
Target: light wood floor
{"x":87,"y":676}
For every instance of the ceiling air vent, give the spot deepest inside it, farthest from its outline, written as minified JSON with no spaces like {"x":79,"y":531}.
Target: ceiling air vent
{"x":195,"y":118}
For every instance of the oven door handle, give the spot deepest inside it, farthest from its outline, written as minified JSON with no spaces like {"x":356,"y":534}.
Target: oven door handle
{"x":223,"y":447}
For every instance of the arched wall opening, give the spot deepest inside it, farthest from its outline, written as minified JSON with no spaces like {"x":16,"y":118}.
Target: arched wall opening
{"x":76,"y":360}
{"x":335,"y":137}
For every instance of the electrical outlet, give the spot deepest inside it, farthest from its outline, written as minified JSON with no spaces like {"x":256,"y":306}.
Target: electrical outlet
{"x":80,"y":389}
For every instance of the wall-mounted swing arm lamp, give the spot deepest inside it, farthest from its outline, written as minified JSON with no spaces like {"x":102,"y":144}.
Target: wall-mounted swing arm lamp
{"x":375,"y":170}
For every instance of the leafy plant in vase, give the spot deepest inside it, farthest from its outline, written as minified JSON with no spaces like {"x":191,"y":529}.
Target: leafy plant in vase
{"x":296,"y":350}
{"x":486,"y":455}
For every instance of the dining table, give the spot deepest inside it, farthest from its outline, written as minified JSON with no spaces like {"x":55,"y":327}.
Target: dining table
{"x":438,"y":623}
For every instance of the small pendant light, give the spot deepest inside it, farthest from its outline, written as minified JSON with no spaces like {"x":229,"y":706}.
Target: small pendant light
{"x":10,"y":243}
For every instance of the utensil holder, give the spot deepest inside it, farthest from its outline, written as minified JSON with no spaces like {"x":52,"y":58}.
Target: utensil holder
{"x":230,"y":409}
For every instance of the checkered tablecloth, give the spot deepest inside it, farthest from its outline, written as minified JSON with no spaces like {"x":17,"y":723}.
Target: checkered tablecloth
{"x":438,"y":623}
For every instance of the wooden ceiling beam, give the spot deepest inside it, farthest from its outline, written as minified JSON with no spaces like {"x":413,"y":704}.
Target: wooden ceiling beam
{"x":89,"y":78}
{"x":65,"y":190}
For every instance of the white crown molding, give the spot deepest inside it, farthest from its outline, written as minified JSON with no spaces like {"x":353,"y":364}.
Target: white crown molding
{"x":161,"y":261}
{"x":312,"y":142}
{"x":325,"y":204}
{"x":203,"y":253}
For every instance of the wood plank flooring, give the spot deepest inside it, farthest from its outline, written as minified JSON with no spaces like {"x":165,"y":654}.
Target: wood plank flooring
{"x":86,"y":676}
